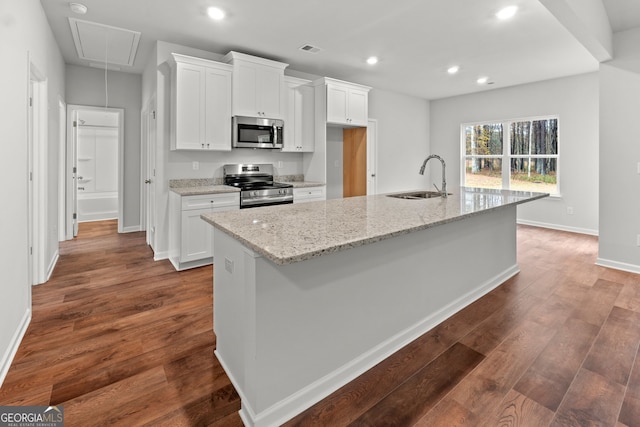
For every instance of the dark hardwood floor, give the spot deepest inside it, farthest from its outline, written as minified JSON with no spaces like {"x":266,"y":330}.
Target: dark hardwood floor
{"x":119,"y":339}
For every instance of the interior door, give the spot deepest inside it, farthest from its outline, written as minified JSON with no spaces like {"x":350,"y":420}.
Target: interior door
{"x":150,"y":181}
{"x":74,"y":174}
{"x":354,"y":155}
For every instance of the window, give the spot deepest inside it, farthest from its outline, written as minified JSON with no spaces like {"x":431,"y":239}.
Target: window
{"x":513,"y":154}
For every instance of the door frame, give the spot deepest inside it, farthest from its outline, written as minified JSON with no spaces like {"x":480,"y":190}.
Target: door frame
{"x":38,"y":152}
{"x":372,"y":156}
{"x":148,"y":168}
{"x":71,"y":184}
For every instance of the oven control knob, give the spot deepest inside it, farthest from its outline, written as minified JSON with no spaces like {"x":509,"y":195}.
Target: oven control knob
{"x":255,"y":193}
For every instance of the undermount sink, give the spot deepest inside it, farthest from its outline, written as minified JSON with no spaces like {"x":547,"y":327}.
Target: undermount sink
{"x":416,"y":195}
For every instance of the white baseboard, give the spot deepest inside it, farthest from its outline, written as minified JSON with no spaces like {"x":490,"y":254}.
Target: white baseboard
{"x":159,"y":256}
{"x":8,"y":356}
{"x":289,"y":407}
{"x":558,"y":227}
{"x":131,"y":229}
{"x":632,"y":268}
{"x":52,"y":265}
{"x":98,"y":216}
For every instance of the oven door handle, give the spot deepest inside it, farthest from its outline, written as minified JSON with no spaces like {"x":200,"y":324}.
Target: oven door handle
{"x":279,"y":198}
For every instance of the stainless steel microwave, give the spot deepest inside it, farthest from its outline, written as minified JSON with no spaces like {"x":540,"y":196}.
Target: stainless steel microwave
{"x":254,"y":132}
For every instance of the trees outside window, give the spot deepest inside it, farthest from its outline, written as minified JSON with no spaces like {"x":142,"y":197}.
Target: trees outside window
{"x":512,"y":154}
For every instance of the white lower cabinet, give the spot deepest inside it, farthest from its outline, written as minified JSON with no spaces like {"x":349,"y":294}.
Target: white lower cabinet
{"x":190,"y":237}
{"x":309,"y":194}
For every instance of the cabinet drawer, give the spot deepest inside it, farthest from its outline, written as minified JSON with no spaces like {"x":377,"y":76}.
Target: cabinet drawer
{"x":308,"y":194}
{"x":211,"y":201}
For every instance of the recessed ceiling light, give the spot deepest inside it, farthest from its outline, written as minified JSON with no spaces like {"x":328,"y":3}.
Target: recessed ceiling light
{"x":215,"y":13}
{"x":78,"y":8}
{"x":482,"y":80}
{"x":372,"y":60}
{"x":454,"y":69}
{"x":507,"y":12}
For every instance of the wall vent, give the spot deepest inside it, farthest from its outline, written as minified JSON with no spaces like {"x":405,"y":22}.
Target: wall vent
{"x":310,"y":48}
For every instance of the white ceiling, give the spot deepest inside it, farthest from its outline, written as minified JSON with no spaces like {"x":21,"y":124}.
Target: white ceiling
{"x":416,"y":40}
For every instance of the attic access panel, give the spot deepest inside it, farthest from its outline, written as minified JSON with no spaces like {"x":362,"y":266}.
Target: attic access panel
{"x":95,"y":42}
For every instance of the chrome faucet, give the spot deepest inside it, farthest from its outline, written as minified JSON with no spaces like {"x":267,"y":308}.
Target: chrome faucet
{"x":442,"y":192}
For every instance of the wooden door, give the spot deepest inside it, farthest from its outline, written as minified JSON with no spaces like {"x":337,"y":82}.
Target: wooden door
{"x":354,"y":152}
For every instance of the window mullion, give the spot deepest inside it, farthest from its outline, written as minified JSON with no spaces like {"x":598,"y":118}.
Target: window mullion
{"x":506,"y":154}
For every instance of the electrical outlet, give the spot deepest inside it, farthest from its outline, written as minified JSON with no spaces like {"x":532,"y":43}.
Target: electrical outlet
{"x":569,"y":210}
{"x":196,"y":166}
{"x":228,"y":265}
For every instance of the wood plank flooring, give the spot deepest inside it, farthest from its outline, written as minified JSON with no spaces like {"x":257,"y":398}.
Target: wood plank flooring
{"x":119,"y":339}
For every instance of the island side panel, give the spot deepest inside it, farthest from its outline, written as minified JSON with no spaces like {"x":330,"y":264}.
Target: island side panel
{"x":319,"y":323}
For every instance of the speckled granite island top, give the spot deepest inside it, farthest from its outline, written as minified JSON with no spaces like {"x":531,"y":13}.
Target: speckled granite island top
{"x":291,"y":233}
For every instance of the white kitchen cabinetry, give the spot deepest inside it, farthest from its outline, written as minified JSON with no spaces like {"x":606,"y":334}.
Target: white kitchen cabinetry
{"x":299,"y":122}
{"x":309,"y":194}
{"x":347,"y":103}
{"x":258,"y":86}
{"x":191,"y":238}
{"x":200,"y":104}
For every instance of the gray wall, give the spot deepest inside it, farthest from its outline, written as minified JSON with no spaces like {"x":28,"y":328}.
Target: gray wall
{"x":620,"y":155}
{"x":86,"y":86}
{"x":26,"y":37}
{"x":575,"y":101}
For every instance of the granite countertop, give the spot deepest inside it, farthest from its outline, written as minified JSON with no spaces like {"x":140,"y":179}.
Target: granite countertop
{"x":200,"y":186}
{"x":204,"y":189}
{"x":304,"y":184}
{"x":286,"y":234}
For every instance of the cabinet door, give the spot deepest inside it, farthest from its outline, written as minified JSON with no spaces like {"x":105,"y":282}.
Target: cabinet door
{"x":269,"y":92}
{"x":196,"y":236}
{"x":337,"y":104}
{"x":290,"y":141}
{"x":245,"y":91}
{"x":189,"y":102}
{"x":218,"y":110}
{"x":306,"y":118}
{"x":357,"y":103}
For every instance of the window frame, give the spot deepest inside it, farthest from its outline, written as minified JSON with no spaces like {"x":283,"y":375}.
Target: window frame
{"x":506,"y":155}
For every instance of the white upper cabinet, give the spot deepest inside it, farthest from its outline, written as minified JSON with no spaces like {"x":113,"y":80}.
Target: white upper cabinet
{"x":200,"y":104}
{"x":299,"y":121}
{"x":258,"y":86}
{"x":347,"y":103}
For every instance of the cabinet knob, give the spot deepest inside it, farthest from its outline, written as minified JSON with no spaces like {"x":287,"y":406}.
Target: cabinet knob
{"x":147,"y":181}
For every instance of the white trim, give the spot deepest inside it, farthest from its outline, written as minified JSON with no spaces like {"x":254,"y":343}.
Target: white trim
{"x":632,"y":268}
{"x":132,"y":229}
{"x":52,"y":265}
{"x":14,"y":344}
{"x":71,"y":108}
{"x":372,"y":156}
{"x":62,"y":149}
{"x":293,"y":405}
{"x":158,"y":256}
{"x":558,"y":227}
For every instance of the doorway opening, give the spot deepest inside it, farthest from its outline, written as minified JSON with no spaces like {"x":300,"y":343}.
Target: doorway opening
{"x":351,"y":161}
{"x":94,"y":166}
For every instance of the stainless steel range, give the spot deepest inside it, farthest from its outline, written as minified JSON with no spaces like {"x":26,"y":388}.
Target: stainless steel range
{"x":256,"y":185}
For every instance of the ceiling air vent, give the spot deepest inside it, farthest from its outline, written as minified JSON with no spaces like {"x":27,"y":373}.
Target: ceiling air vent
{"x":309,"y":48}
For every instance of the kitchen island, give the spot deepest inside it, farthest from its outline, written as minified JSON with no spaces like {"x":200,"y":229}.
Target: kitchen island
{"x":307,"y":297}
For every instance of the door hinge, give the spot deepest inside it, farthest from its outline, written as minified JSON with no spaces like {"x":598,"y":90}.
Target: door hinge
{"x":30,"y":176}
{"x":75,"y":216}
{"x":153,"y":113}
{"x":75,"y":169}
{"x":75,"y":124}
{"x":30,"y":101}
{"x":30,"y":250}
